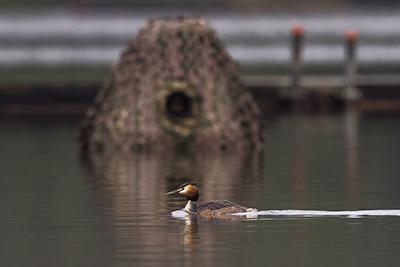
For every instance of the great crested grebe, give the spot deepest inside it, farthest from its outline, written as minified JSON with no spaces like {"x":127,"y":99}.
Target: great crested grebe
{"x":210,"y":209}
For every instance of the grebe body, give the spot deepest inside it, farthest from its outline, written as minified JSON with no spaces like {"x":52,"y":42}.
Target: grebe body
{"x":214,"y":208}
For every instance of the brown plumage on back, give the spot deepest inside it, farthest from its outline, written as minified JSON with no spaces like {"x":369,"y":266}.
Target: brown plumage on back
{"x":216,"y":208}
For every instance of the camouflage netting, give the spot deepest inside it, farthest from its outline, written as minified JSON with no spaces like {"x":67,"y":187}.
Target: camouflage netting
{"x":174,"y":84}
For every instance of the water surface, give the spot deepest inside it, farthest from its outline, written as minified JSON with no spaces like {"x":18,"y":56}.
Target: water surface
{"x":74,"y":37}
{"x":57,"y":210}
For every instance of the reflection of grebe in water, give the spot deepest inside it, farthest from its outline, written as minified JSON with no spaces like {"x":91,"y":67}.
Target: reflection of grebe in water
{"x":210,"y":209}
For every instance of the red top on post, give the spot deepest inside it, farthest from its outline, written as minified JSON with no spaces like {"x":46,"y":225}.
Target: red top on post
{"x":297,"y":30}
{"x":351,"y":35}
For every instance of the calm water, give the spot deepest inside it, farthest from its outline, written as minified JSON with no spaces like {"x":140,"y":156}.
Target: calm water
{"x":85,"y":37}
{"x":59,"y":211}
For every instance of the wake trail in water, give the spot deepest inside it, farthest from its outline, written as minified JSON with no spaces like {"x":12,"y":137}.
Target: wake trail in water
{"x":322,"y":213}
{"x":308,"y":213}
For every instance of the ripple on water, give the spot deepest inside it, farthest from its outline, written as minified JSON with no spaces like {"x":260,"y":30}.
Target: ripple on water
{"x":322,"y":213}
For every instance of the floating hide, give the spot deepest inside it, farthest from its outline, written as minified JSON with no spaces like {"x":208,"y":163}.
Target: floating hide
{"x":174,"y":86}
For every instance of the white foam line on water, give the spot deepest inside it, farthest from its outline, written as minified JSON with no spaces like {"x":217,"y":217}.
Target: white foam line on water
{"x":321,"y":213}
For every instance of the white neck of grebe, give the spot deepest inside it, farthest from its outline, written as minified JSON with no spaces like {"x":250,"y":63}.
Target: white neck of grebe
{"x":191,"y":207}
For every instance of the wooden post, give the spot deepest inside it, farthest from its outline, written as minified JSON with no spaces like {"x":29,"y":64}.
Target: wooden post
{"x":350,"y":91}
{"x":297,"y":45}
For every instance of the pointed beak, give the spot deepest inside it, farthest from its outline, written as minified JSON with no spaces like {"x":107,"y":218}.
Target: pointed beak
{"x":173,"y":192}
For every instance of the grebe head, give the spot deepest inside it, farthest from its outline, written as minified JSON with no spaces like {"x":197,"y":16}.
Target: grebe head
{"x":189,"y":190}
